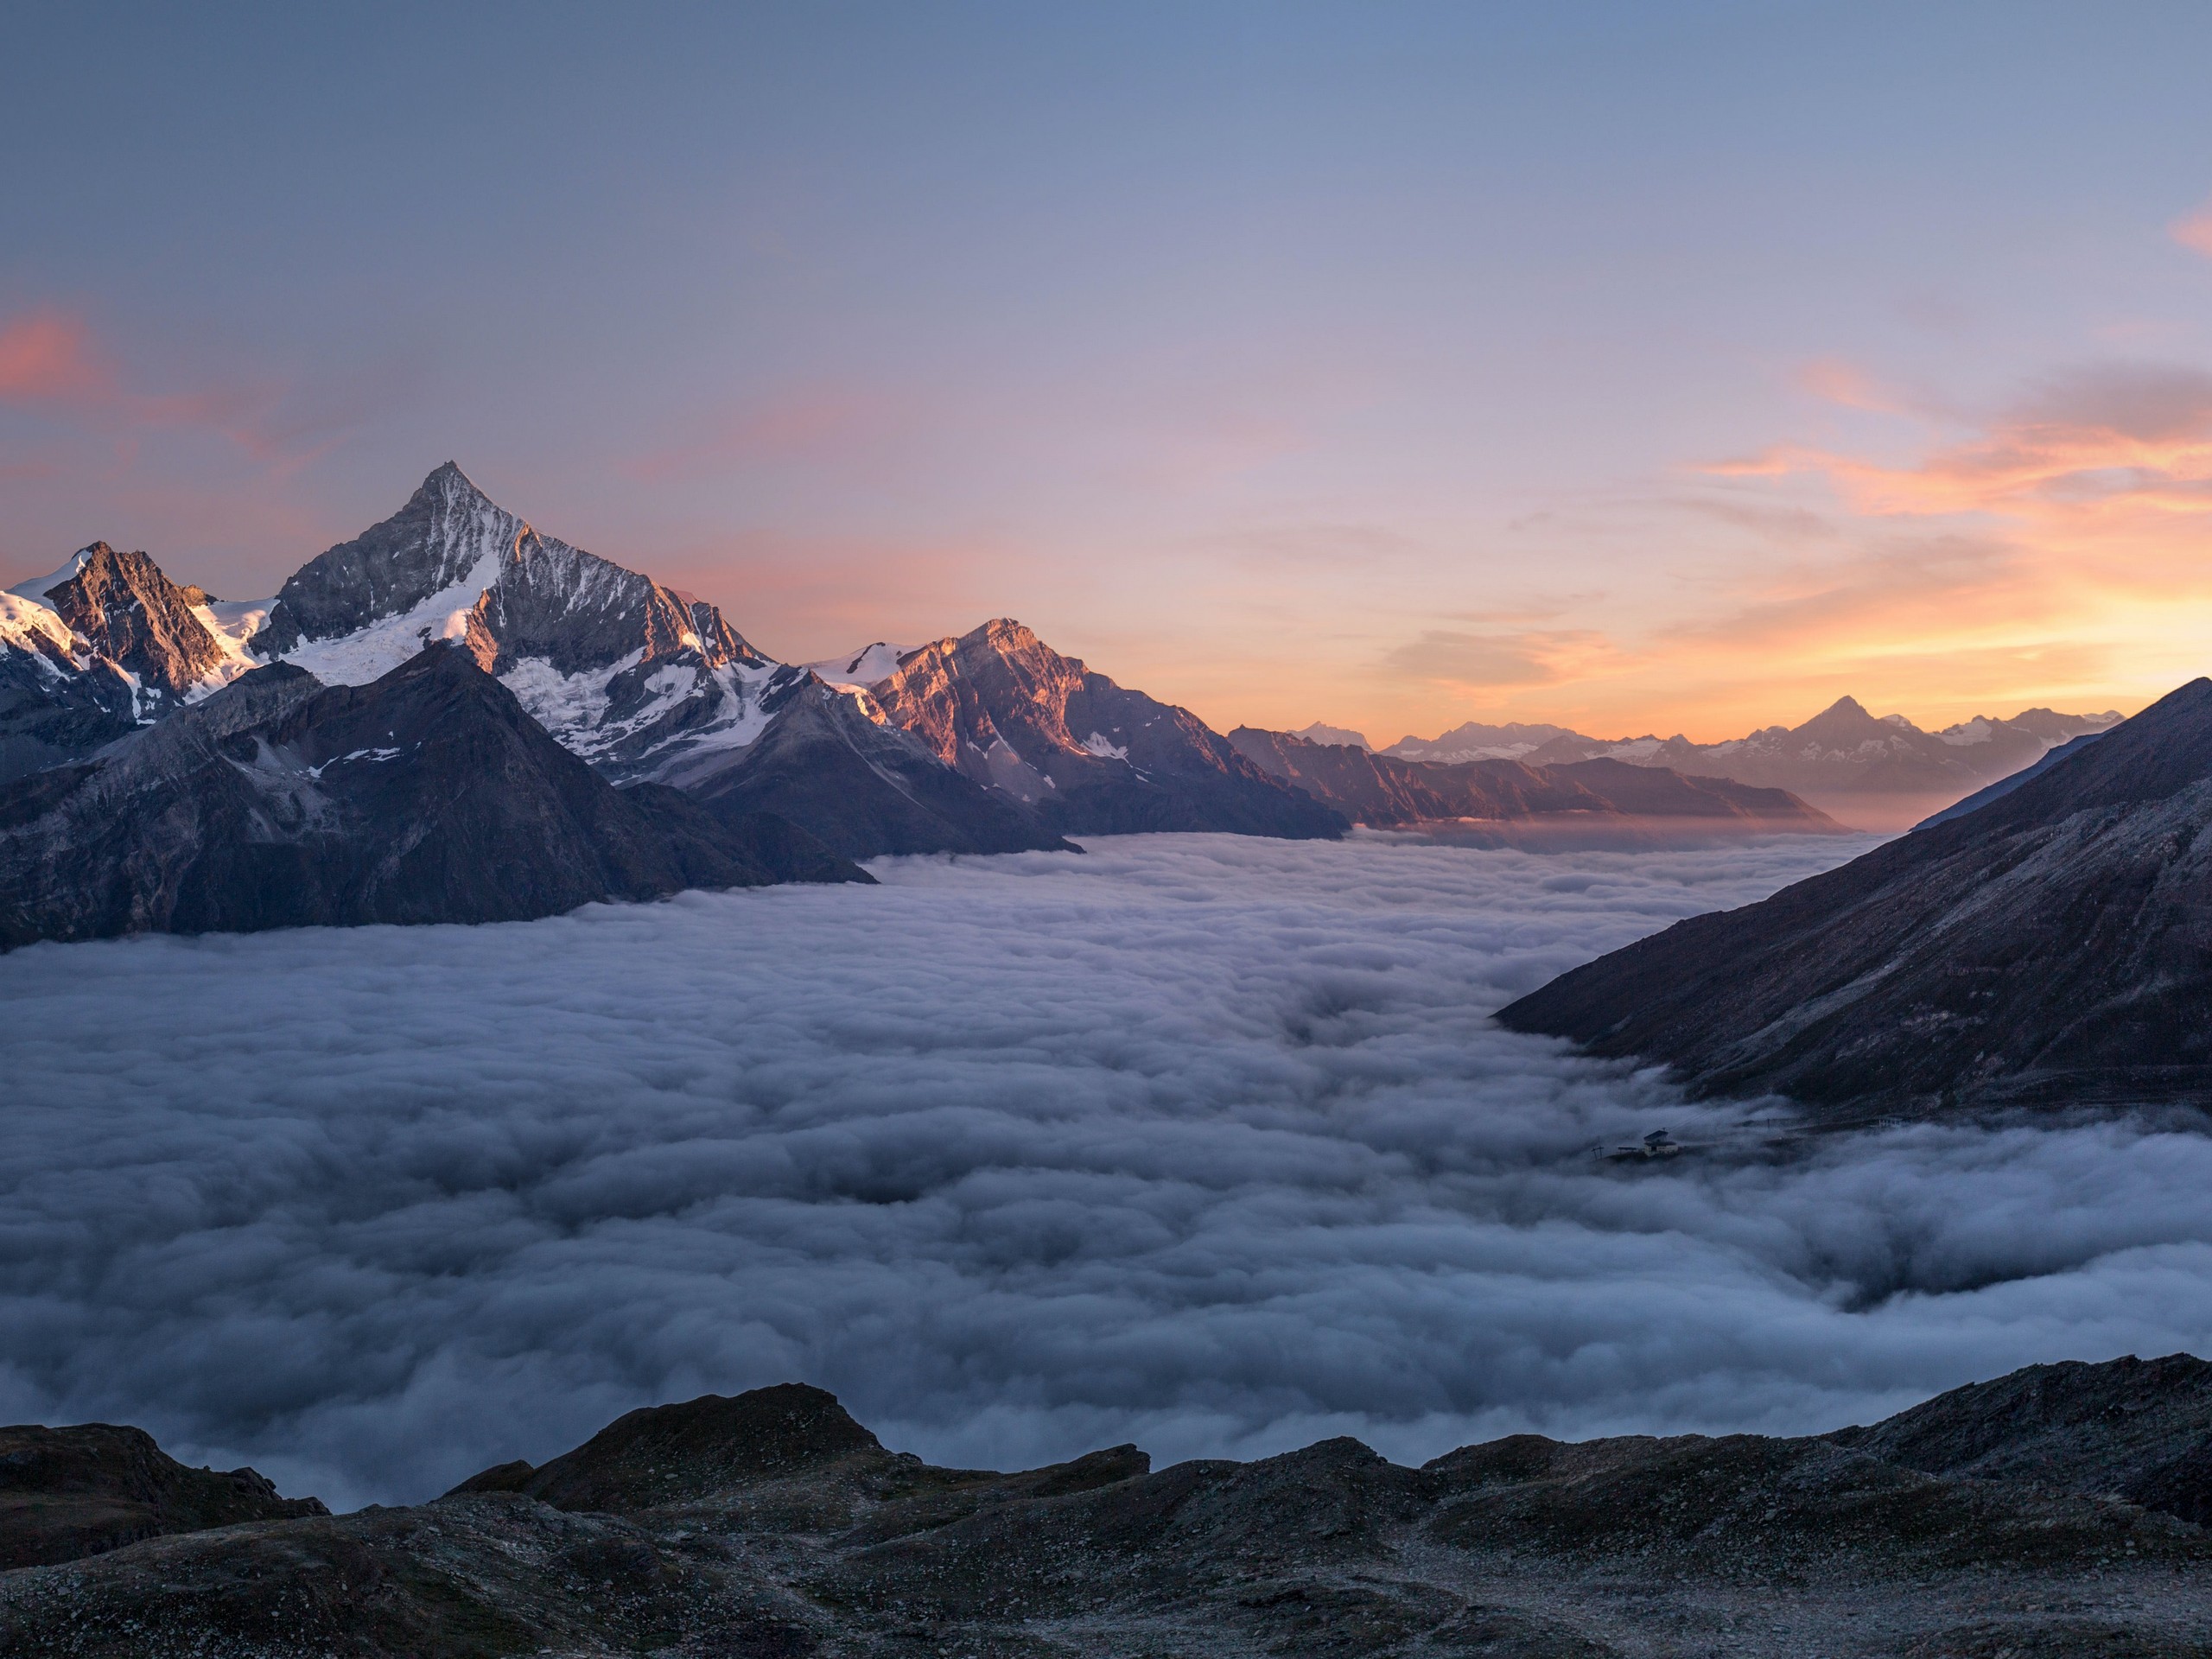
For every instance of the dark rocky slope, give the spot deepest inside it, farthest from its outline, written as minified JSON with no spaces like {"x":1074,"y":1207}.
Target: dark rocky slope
{"x":2054,"y":947}
{"x":1990,"y":1521}
{"x":2006,"y":785}
{"x":427,"y":796}
{"x":1382,"y":790}
{"x":862,"y":788}
{"x":59,"y":700}
{"x":1085,"y":755}
{"x":66,"y":1493}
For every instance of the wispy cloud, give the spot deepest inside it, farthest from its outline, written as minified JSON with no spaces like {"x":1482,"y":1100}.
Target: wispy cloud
{"x":2194,"y":229}
{"x":2098,"y":445}
{"x":51,"y":364}
{"x":1486,"y":661}
{"x":45,"y":358}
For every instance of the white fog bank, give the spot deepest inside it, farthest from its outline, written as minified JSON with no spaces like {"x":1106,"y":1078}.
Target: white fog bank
{"x":1199,"y":1142}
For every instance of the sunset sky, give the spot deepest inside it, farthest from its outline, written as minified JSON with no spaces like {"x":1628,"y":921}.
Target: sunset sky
{"x":1637,"y":368}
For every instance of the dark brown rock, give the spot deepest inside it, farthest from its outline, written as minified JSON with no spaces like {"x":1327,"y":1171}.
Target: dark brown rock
{"x":705,"y":1447}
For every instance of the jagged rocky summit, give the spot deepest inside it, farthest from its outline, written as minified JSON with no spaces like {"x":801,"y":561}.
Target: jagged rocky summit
{"x":1596,"y":800}
{"x":2057,"y":1511}
{"x":2050,"y":950}
{"x":93,"y":651}
{"x":1085,"y":755}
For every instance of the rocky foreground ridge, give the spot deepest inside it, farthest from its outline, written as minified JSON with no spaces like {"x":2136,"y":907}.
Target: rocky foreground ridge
{"x":2052,"y":950}
{"x":2057,"y":1511}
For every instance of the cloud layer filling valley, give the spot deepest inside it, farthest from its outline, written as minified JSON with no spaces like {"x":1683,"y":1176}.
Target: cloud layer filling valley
{"x":1198,"y":1141}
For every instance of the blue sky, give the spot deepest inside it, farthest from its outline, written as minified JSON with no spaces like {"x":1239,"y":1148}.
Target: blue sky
{"x":1637,"y":367}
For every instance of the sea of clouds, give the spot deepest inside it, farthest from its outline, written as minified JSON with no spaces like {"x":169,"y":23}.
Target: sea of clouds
{"x":1202,"y":1142}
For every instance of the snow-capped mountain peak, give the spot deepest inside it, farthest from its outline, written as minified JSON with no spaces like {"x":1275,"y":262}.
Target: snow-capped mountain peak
{"x":638,"y":678}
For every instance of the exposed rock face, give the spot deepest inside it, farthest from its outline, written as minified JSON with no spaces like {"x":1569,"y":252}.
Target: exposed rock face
{"x":1874,"y":773}
{"x":2052,"y":948}
{"x":772,"y":1523}
{"x":427,"y":796}
{"x":66,"y":1493}
{"x":645,"y":683}
{"x":448,"y":540}
{"x":1086,"y":755}
{"x":636,"y":678}
{"x":706,"y":1448}
{"x":823,"y":761}
{"x":94,"y":650}
{"x":2134,"y":1429}
{"x":1383,"y":791}
{"x":140,"y":620}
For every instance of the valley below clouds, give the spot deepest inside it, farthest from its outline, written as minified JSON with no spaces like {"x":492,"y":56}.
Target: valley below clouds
{"x":1204,"y":1142}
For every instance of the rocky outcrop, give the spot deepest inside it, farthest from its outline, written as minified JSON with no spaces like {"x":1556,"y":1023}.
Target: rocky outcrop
{"x":1085,"y":755}
{"x":1382,"y":790}
{"x":94,"y":650}
{"x":67,"y":1493}
{"x":822,"y":760}
{"x":2051,"y":949}
{"x":136,"y":617}
{"x":2140,"y":1430}
{"x":1988,"y":1521}
{"x":129,"y":612}
{"x":427,"y":796}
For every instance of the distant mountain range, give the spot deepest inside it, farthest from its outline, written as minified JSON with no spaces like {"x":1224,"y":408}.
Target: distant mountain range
{"x":2059,"y":1510}
{"x":1873,"y":773}
{"x":988,"y":742}
{"x":2048,"y":948}
{"x":1515,"y":801}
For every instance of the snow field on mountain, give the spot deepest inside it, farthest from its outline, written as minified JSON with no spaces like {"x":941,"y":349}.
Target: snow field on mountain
{"x":1200,"y":1141}
{"x":370,"y":652}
